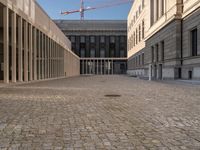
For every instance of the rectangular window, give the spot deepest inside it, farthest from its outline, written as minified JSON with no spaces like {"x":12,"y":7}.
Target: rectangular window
{"x":102,"y":39}
{"x":122,"y":53}
{"x":122,"y":39}
{"x":163,"y":50}
{"x":82,"y":52}
{"x":142,"y":58}
{"x":152,"y":54}
{"x":92,"y":39}
{"x":92,"y":52}
{"x":82,"y":39}
{"x":72,"y":39}
{"x":157,"y":53}
{"x":194,"y":42}
{"x":112,"y":39}
{"x":102,"y":52}
{"x":143,"y":29}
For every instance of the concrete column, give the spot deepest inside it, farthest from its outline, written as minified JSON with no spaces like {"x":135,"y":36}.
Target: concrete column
{"x":104,"y":69}
{"x":42,"y":58}
{"x":56,"y":67}
{"x":6,"y":43}
{"x":50,"y":45}
{"x":39,"y":55}
{"x":54,"y":48}
{"x":112,"y":67}
{"x":35,"y":54}
{"x":97,"y":66}
{"x":101,"y":67}
{"x":30,"y":53}
{"x":25,"y":51}
{"x":13,"y":24}
{"x":86,"y":71}
{"x":20,"y":68}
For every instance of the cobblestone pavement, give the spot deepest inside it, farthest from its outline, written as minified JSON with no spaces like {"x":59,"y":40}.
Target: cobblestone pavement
{"x":75,"y":114}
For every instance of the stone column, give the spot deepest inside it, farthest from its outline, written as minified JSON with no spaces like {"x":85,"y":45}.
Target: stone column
{"x":20,"y":49}
{"x":13,"y":25}
{"x":6,"y":43}
{"x":25,"y":51}
{"x":35,"y":53}
{"x":30,"y":53}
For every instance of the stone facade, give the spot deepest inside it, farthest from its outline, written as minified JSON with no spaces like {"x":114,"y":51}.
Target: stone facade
{"x":101,"y":44}
{"x":172,"y":43}
{"x":32,"y":47}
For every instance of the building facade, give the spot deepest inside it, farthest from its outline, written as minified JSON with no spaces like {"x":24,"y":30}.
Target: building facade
{"x":32,"y":47}
{"x":170,"y":44}
{"x":101,"y":45}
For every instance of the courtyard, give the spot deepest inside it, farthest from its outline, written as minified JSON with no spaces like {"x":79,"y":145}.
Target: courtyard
{"x":100,"y":112}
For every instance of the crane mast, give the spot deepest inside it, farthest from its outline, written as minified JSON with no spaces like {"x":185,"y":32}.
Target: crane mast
{"x":82,"y":10}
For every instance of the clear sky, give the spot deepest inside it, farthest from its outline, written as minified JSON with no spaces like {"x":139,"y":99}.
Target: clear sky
{"x":54,"y":7}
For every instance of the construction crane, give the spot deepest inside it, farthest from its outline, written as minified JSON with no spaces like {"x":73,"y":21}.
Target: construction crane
{"x":83,"y":8}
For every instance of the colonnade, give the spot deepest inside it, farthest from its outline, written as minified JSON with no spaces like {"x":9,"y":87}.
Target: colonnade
{"x":97,"y":66}
{"x":31,"y":54}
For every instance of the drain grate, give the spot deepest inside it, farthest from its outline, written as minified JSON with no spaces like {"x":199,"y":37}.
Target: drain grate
{"x":112,"y":95}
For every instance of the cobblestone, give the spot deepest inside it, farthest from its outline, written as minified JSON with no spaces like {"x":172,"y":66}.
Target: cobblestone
{"x":73,"y":113}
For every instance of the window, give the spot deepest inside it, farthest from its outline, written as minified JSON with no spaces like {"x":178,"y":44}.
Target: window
{"x":162,"y":8}
{"x":142,"y":4}
{"x":139,"y":9}
{"x":112,"y":53}
{"x":92,"y":52}
{"x":152,"y":54}
{"x":139,"y":60}
{"x":136,"y":37}
{"x":82,"y":39}
{"x":82,"y":52}
{"x":92,"y":39}
{"x":143,"y":29}
{"x":157,"y":53}
{"x":194,"y":42}
{"x":122,"y":39}
{"x":72,"y":39}
{"x":139,"y":33}
{"x":102,"y":52}
{"x":142,"y":58}
{"x":162,"y":50}
{"x":122,"y":53}
{"x":102,"y":39}
{"x":152,"y":12}
{"x":112,"y":39}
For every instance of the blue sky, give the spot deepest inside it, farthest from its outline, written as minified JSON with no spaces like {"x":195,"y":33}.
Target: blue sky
{"x":54,"y":7}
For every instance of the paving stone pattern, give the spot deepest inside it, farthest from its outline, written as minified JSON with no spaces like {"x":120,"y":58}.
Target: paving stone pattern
{"x":74,"y":114}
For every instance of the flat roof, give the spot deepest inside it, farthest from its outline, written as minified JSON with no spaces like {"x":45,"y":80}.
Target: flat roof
{"x":104,"y":25}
